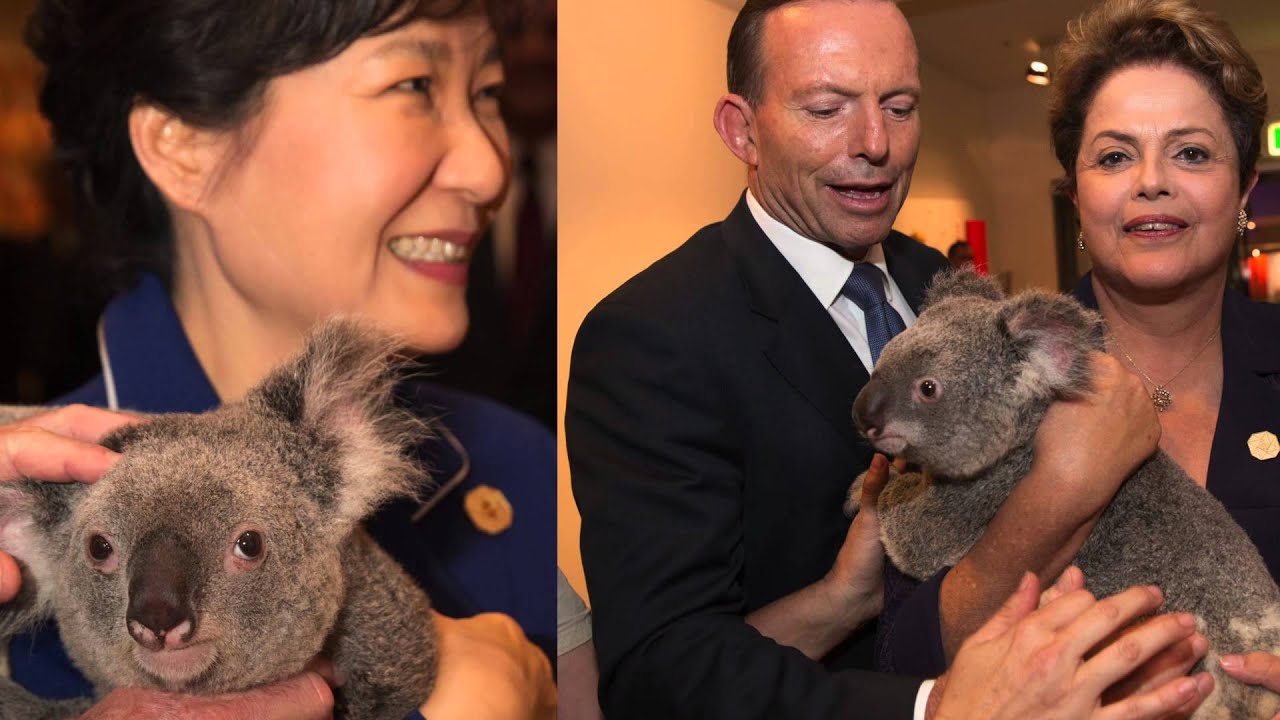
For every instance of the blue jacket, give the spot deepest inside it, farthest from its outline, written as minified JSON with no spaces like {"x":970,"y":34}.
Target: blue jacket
{"x":148,"y":365}
{"x":910,"y":638}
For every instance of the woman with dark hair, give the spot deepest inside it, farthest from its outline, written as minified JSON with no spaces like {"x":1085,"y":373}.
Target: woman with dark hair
{"x":256,"y":167}
{"x":1156,"y":117}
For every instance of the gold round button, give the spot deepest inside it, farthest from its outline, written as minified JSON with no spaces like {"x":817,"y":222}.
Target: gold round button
{"x":1264,"y":445}
{"x":488,"y":508}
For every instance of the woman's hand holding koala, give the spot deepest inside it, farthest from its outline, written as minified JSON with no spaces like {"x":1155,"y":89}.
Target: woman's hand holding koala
{"x":55,"y":446}
{"x":1084,"y":449}
{"x":489,"y":671}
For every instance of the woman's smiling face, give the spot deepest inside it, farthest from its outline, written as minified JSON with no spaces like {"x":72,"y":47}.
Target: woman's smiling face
{"x":366,"y":182}
{"x":1157,"y":181}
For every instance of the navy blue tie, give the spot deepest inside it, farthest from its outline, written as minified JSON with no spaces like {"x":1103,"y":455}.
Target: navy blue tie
{"x":865,"y":287}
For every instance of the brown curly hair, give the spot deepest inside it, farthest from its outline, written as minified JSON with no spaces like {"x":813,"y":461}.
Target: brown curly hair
{"x":1117,"y":34}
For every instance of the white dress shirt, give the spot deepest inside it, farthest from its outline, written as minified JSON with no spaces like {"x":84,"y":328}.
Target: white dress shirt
{"x":824,"y":270}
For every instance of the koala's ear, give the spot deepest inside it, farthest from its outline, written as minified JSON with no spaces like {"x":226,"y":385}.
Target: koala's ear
{"x":33,"y":517}
{"x":1055,"y":334}
{"x":341,"y":388}
{"x":959,"y":283}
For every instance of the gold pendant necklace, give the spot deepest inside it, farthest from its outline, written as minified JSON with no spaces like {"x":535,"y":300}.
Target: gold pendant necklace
{"x":1160,"y":396}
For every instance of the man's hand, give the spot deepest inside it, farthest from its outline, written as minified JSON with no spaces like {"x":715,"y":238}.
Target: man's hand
{"x":489,"y":671}
{"x":1084,"y":450}
{"x":856,"y":581}
{"x":56,"y":446}
{"x":303,"y":697}
{"x":1256,"y":668}
{"x":1042,"y":663}
{"x":817,"y":617}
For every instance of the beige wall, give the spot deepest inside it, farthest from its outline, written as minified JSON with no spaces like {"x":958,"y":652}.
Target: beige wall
{"x":641,"y":167}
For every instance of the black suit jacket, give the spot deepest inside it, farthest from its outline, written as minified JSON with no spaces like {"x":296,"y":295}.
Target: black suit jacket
{"x":711,"y":445}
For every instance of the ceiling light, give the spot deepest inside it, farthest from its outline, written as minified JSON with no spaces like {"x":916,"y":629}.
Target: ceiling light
{"x":1038,"y":73}
{"x":1256,"y":252}
{"x":1252,"y":225}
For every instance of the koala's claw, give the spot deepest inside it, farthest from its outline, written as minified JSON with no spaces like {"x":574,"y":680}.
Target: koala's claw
{"x":853,"y":500}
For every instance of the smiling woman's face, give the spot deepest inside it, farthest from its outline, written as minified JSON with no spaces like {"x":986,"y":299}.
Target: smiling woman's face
{"x":366,"y":183}
{"x":1157,"y":181}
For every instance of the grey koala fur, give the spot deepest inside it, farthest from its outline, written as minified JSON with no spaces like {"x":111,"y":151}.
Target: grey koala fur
{"x":996,"y":365}
{"x":308,"y":454}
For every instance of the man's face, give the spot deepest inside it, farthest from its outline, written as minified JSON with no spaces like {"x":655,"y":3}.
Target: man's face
{"x":836,"y":130}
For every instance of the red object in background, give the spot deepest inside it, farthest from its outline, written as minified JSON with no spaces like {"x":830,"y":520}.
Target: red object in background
{"x":975,"y":233}
{"x":1258,"y":277}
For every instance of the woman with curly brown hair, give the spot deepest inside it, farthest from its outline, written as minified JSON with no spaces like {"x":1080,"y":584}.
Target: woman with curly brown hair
{"x":1156,"y":118}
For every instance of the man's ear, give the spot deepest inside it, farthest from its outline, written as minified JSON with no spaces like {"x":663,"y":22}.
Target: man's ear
{"x":735,"y":122}
{"x":179,"y":158}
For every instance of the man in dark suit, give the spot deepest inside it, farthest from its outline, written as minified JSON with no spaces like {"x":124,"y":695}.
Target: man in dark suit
{"x":708,"y":420}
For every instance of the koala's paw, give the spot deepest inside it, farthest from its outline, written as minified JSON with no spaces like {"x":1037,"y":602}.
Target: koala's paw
{"x":853,"y":500}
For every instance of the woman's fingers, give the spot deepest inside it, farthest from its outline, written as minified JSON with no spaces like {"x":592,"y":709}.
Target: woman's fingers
{"x":79,"y":422}
{"x":60,"y":445}
{"x":1256,"y":668}
{"x":10,"y":579}
{"x":29,"y":451}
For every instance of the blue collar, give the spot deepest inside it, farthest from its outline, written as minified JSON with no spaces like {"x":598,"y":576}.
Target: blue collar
{"x":147,"y":361}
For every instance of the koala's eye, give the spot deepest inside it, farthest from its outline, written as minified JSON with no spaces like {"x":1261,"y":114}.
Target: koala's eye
{"x":99,"y":548}
{"x":928,"y":390}
{"x":248,"y":545}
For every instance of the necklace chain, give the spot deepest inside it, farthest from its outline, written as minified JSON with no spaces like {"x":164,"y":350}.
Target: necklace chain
{"x":1160,"y":396}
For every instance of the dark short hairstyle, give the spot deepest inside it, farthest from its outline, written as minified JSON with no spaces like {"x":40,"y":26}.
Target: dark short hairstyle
{"x":956,"y":247}
{"x":206,"y":61}
{"x":1118,"y":34}
{"x":745,"y":75}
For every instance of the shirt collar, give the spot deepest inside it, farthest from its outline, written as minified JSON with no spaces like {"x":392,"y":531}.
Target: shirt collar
{"x":147,"y":362}
{"x":824,"y":270}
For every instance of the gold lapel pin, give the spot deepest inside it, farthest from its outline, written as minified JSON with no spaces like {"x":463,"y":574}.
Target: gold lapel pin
{"x":1263,"y":445}
{"x":488,"y":508}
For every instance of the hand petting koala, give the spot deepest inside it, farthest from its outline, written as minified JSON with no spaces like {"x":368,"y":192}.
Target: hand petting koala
{"x":961,"y":394}
{"x":225,"y":551}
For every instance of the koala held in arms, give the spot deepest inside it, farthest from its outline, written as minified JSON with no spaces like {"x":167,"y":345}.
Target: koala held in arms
{"x":225,"y":550}
{"x":961,"y":394}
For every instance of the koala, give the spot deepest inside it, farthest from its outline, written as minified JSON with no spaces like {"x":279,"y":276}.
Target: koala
{"x":225,"y":550}
{"x":961,"y":394}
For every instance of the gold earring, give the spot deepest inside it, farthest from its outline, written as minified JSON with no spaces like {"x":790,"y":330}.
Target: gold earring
{"x":1242,"y":223}
{"x":1080,"y":241}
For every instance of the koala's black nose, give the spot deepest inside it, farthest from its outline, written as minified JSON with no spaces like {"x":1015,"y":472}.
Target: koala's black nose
{"x":160,"y":612}
{"x":869,"y":409}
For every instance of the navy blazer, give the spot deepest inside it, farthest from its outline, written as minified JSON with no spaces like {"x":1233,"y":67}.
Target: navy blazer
{"x":152,"y":368}
{"x":910,"y":634}
{"x":711,"y":445}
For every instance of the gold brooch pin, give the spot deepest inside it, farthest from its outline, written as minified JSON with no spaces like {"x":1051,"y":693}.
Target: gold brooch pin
{"x":1264,"y":445}
{"x":488,"y":508}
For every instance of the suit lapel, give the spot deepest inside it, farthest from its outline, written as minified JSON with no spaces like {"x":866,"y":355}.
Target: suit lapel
{"x":911,"y":278}
{"x":806,"y":348}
